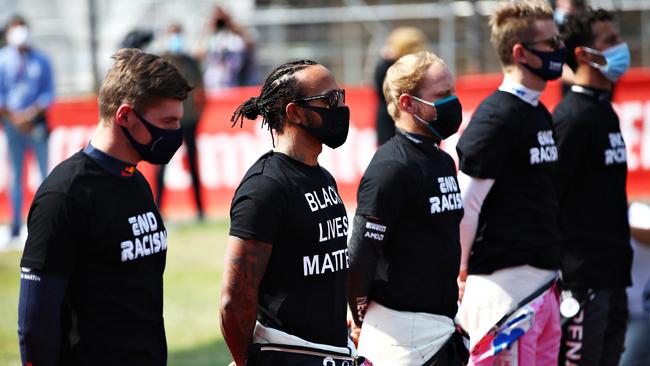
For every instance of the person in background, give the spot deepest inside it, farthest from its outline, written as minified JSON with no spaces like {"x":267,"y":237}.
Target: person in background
{"x":226,"y":52}
{"x":564,"y":9}
{"x":510,"y":254}
{"x":137,"y":38}
{"x":192,"y":109}
{"x":594,"y":227}
{"x":401,"y":41}
{"x":26,"y":92}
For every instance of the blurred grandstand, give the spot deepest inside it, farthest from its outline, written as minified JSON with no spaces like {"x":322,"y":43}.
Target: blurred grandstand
{"x":346,"y":35}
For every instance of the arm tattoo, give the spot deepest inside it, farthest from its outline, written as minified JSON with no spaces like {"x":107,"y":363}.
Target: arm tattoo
{"x":246,"y":262}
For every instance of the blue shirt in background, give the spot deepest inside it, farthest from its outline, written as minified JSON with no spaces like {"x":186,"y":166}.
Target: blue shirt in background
{"x":25,"y":79}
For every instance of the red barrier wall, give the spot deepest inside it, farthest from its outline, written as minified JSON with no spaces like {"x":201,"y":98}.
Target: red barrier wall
{"x":225,"y":153}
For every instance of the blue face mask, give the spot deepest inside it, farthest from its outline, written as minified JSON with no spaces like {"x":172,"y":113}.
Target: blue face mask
{"x":618,"y":61}
{"x":175,"y":43}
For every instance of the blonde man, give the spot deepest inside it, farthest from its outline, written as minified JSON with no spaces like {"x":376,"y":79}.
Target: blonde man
{"x":405,"y":246}
{"x":509,"y":231}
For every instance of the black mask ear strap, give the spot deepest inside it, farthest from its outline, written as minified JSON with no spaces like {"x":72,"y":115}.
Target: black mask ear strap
{"x":313,"y":108}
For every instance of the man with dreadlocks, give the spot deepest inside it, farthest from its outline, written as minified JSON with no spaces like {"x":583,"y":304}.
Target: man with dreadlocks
{"x":283,"y":299}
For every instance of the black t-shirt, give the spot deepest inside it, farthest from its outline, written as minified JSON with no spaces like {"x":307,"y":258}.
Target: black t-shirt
{"x":594,"y":228}
{"x":297,"y":209}
{"x":104,"y":234}
{"x":512,"y":142}
{"x":411,"y":187}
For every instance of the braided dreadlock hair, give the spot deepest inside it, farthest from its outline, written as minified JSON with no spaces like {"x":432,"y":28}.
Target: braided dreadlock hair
{"x":280,"y":87}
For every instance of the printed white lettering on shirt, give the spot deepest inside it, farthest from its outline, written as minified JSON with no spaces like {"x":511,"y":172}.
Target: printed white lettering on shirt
{"x":617,"y":153}
{"x":145,"y":241}
{"x":26,"y":275}
{"x":376,"y":227}
{"x":547,"y":151}
{"x":327,"y":197}
{"x":374,"y":231}
{"x":450,"y":199}
{"x":334,"y":228}
{"x":328,"y":262}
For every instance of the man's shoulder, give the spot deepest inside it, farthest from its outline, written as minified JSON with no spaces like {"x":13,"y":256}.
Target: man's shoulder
{"x":68,"y":176}
{"x":573,"y":110}
{"x":391,"y":153}
{"x":264,"y":173}
{"x":498,"y":107}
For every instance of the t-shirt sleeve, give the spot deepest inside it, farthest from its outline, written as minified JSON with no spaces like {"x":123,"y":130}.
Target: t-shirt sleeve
{"x":55,"y":225}
{"x":484,"y":146}
{"x":258,"y":209}
{"x":382,"y":192}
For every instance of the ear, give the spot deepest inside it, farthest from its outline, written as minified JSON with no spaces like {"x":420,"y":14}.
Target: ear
{"x":122,"y":114}
{"x":519,"y":54}
{"x":294,"y":114}
{"x":406,"y":103}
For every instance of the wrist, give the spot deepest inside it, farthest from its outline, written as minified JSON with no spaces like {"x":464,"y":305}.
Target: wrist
{"x":462,"y":273}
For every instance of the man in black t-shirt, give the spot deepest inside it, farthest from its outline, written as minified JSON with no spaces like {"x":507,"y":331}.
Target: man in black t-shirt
{"x":405,"y":246}
{"x":509,"y":231}
{"x":91,"y":272}
{"x":595,"y":233}
{"x":285,"y":279}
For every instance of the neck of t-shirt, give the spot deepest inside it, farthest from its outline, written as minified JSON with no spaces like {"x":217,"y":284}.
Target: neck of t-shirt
{"x":428,"y":143}
{"x":600,"y":95}
{"x":112,"y":165}
{"x":528,"y":95}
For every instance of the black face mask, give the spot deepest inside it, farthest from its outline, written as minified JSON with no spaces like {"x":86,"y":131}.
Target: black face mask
{"x":333,"y":130}
{"x":552,"y":62}
{"x":163,"y":144}
{"x":448,"y":119}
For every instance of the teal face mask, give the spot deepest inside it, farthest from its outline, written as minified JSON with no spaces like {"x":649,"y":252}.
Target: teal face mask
{"x":618,"y":61}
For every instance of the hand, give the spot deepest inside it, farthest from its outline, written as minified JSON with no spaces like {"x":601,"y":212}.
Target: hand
{"x":21,"y":121}
{"x":232,"y":364}
{"x":355,"y":330}
{"x":462,"y":278}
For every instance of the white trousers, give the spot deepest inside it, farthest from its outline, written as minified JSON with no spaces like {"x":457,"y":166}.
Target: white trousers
{"x":400,"y":338}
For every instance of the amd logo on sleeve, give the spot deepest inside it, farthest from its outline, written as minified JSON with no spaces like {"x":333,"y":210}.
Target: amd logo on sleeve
{"x":147,"y":239}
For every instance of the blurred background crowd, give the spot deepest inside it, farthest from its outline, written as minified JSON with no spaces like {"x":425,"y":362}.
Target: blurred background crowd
{"x":346,"y":35}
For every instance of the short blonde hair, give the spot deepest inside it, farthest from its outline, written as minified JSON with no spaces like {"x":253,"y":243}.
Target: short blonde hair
{"x":514,"y":22}
{"x":404,"y":77}
{"x":406,"y":40}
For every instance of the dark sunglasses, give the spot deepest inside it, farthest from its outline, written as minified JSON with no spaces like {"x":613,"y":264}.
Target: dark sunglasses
{"x":333,"y":97}
{"x":556,"y":42}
